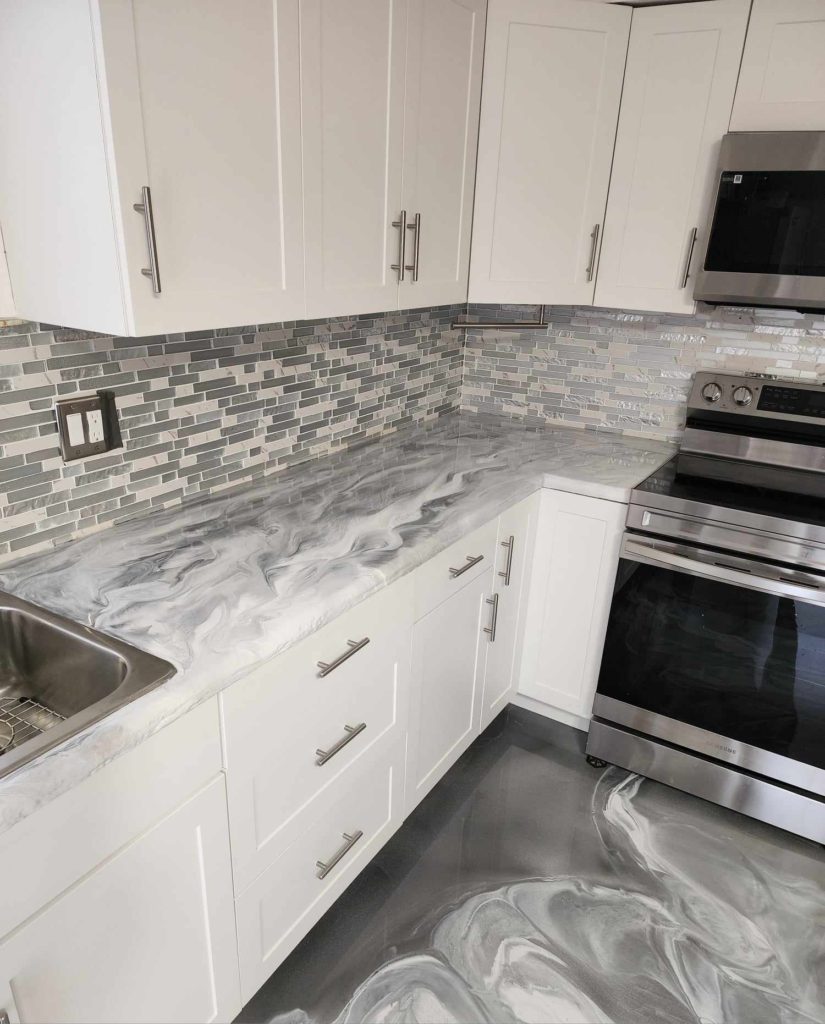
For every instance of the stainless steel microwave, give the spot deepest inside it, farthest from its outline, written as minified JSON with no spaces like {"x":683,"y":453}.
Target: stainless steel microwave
{"x":765,"y":245}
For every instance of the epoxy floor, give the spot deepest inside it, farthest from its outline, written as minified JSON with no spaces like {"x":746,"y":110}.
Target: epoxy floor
{"x":529,"y":886}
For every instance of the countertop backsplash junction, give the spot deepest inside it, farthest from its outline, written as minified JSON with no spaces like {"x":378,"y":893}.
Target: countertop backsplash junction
{"x":203,"y":411}
{"x":627,"y":371}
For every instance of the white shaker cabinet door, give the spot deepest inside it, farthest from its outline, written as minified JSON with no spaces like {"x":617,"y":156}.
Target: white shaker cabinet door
{"x":205,"y":109}
{"x":516,"y":536}
{"x":352,"y":95}
{"x":782,"y":82}
{"x":550,"y":102}
{"x":448,"y":659}
{"x":679,"y":85}
{"x":445,"y":50}
{"x":575,"y":562}
{"x":148,"y":936}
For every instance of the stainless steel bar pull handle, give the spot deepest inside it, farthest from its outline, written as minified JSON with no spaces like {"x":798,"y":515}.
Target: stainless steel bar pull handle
{"x":471,"y":561}
{"x":416,"y":227}
{"x":594,"y":245}
{"x":350,"y":731}
{"x":145,"y":207}
{"x":324,"y":867}
{"x":689,"y":260}
{"x":354,"y":647}
{"x":509,"y":544}
{"x":401,"y":224}
{"x":4,"y":1017}
{"x":491,"y":629}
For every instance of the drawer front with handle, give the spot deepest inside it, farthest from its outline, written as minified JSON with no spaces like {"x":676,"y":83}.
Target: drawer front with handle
{"x":298,"y":723}
{"x":280,"y":906}
{"x":461,"y":563}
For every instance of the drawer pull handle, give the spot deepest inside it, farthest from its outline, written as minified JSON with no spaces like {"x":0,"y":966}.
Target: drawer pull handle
{"x":455,"y":573}
{"x":351,"y":732}
{"x":354,"y":647}
{"x":509,"y":544}
{"x":324,"y":868}
{"x":491,"y":629}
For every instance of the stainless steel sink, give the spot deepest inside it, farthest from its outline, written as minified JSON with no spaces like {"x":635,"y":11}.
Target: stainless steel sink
{"x":57,"y":678}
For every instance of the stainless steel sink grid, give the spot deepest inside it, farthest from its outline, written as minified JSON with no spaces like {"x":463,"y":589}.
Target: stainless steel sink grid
{"x":58,"y":677}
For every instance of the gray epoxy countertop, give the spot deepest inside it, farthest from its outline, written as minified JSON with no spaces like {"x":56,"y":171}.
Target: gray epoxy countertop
{"x":225,"y":582}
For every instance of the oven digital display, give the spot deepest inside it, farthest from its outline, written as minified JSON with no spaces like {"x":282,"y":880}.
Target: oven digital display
{"x":793,"y":402}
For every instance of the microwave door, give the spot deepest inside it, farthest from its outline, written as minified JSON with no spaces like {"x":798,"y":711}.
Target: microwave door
{"x":720,"y":654}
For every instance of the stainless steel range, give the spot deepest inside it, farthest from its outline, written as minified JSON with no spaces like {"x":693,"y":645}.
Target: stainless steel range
{"x":713,"y":673}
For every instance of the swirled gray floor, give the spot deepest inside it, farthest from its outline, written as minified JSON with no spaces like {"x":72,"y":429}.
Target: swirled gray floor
{"x":531,"y":887}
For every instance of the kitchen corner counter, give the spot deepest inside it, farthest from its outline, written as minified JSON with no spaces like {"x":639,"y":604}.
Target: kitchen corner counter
{"x":227,"y":581}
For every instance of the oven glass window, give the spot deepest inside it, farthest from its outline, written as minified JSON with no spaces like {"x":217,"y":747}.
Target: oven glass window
{"x":736,"y":662}
{"x":769,"y":223}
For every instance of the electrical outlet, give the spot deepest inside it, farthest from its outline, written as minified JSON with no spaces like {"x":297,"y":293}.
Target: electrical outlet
{"x":87,"y":426}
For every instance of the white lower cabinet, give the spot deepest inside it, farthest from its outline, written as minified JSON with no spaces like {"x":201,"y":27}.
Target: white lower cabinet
{"x":147,"y":936}
{"x":576,"y":556}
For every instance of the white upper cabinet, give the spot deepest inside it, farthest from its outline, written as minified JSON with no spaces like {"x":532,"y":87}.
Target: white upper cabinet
{"x":550,"y":103}
{"x":679,"y":86}
{"x":352,"y":84}
{"x":445,"y":49}
{"x":201,"y":109}
{"x":782,"y":83}
{"x":6,"y":295}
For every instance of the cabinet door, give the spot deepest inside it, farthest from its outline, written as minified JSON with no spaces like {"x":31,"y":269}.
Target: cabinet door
{"x":445,"y":49}
{"x":678,"y":91}
{"x":205,"y":109}
{"x":148,"y":936}
{"x":782,"y":82}
{"x":449,"y":656}
{"x":576,"y":557}
{"x":352,"y":92}
{"x":6,"y":297}
{"x":516,"y":536}
{"x":552,"y":84}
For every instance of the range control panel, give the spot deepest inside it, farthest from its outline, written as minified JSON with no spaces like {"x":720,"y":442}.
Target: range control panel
{"x":757,"y":396}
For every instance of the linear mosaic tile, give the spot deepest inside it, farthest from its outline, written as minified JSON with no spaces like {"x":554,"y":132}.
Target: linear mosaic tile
{"x":627,"y":371}
{"x":202,"y":411}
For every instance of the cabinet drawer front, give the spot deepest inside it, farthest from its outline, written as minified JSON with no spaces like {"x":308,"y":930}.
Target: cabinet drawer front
{"x":449,"y":571}
{"x":280,"y":907}
{"x":290,"y":730}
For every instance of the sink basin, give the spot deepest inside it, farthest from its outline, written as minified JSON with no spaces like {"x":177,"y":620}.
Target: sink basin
{"x":57,"y":678}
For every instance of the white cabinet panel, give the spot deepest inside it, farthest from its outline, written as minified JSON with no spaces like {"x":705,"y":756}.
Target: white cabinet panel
{"x":6,"y":296}
{"x":576,"y":557}
{"x":449,"y":657}
{"x":352,"y":93}
{"x":782,"y":82}
{"x":148,"y":936}
{"x":445,"y":49}
{"x":516,"y":536}
{"x":679,"y":85}
{"x":552,"y":84}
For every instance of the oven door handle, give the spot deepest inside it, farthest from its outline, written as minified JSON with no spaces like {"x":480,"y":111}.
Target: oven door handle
{"x":753,"y":574}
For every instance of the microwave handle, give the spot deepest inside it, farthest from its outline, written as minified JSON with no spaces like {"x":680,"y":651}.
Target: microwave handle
{"x":691,"y":246}
{"x":726,"y":568}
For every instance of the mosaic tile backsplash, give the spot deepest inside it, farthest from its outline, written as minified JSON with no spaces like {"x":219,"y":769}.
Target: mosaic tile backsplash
{"x":202,"y":411}
{"x":625,"y":371}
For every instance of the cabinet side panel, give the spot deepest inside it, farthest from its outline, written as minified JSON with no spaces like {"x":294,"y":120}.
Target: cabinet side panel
{"x":55,"y":201}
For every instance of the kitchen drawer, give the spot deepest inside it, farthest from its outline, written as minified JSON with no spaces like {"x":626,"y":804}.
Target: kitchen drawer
{"x":280,"y":906}
{"x":278,"y":720}
{"x":473,"y":555}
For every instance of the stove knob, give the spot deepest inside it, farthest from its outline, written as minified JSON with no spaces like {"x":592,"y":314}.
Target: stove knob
{"x":711,"y":392}
{"x":743,"y":396}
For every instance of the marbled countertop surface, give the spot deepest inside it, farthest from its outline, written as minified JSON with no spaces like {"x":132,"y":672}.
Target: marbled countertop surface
{"x":223,"y":583}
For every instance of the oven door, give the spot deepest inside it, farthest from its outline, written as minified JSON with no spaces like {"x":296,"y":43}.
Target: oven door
{"x":719,"y":654}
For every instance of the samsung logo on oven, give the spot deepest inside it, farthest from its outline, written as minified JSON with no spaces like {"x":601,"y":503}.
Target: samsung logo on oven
{"x":721,"y":746}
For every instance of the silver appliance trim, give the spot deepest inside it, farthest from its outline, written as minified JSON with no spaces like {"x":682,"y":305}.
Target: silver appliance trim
{"x":759,"y":798}
{"x":729,"y":383}
{"x":712,"y":744}
{"x":750,"y":573}
{"x":763,"y":151}
{"x":715,"y":443}
{"x":712,"y":533}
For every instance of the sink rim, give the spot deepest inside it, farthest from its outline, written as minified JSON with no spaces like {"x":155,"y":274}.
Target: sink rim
{"x":144,"y":672}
